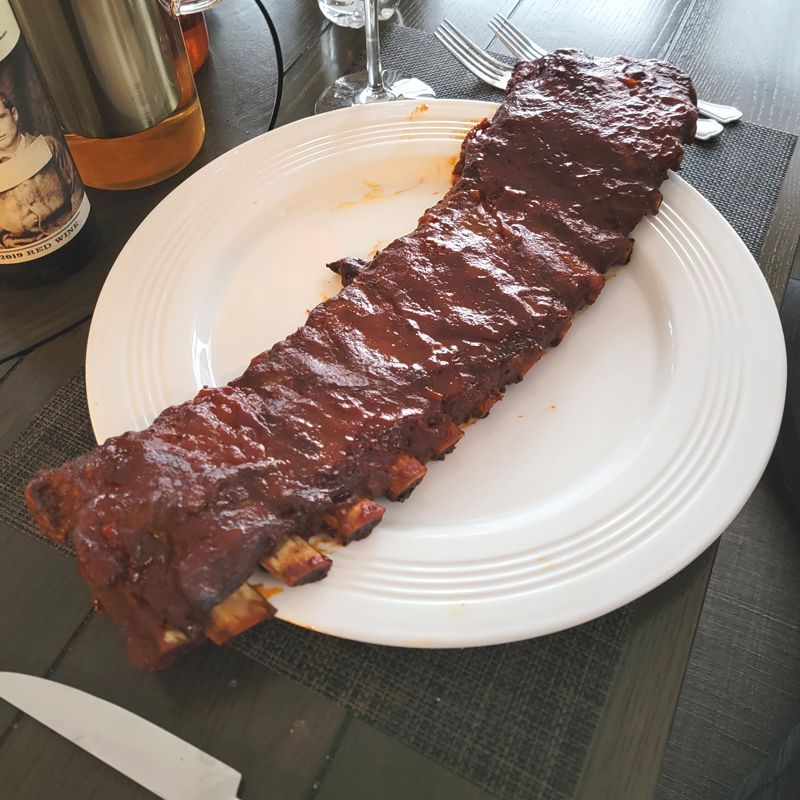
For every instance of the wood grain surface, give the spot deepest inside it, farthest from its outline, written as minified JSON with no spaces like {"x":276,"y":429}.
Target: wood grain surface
{"x":469,"y":15}
{"x":641,"y":29}
{"x":6,"y":367}
{"x":292,"y":743}
{"x":744,"y":54}
{"x":299,"y":26}
{"x":271,"y":729}
{"x":36,"y":377}
{"x":45,"y":587}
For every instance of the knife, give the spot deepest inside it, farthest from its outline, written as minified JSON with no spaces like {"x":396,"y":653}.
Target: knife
{"x":158,"y":760}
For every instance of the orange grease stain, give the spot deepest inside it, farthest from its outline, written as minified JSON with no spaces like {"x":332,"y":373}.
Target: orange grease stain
{"x":267,"y":591}
{"x":374,"y":192}
{"x":419,"y":182}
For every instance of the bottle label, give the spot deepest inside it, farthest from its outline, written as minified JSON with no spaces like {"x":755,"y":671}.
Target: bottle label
{"x":42,"y":201}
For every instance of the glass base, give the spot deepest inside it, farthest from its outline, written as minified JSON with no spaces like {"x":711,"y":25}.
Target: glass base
{"x":350,"y":13}
{"x":352,"y":90}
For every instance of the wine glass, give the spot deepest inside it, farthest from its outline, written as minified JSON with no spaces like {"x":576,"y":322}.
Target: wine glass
{"x":376,"y":85}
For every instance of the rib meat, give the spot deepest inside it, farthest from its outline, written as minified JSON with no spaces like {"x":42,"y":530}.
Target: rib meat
{"x":169,"y":522}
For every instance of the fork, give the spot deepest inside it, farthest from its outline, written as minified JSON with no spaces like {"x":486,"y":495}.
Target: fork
{"x":522,"y":46}
{"x":489,"y":69}
{"x":497,"y":73}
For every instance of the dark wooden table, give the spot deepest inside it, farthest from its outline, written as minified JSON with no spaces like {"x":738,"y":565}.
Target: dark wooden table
{"x":289,"y":742}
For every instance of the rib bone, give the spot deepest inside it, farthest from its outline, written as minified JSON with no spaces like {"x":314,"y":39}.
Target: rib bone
{"x":172,"y":639}
{"x":404,"y":475}
{"x":296,"y":562}
{"x":352,"y":521}
{"x":236,"y":613}
{"x":485,"y":406}
{"x":448,"y":442}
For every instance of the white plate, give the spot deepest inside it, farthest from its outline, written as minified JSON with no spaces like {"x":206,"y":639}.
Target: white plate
{"x":622,"y":456}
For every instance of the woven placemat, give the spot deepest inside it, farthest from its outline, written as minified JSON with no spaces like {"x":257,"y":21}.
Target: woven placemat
{"x":515,"y":719}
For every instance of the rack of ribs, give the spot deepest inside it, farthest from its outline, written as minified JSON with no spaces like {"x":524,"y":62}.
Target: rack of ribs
{"x":169,"y":523}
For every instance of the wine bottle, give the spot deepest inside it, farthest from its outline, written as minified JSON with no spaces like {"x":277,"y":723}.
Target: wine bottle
{"x":45,"y":231}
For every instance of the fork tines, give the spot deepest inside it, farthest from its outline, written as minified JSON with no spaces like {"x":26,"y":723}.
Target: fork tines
{"x":490,"y":70}
{"x":514,"y":40}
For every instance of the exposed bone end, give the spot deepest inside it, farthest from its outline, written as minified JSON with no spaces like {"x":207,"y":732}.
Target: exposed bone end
{"x":485,"y":406}
{"x":655,"y":202}
{"x":171,"y":640}
{"x":236,"y":613}
{"x":624,"y":256}
{"x":448,"y":442}
{"x":296,"y":562}
{"x":404,"y":475}
{"x":348,"y":268}
{"x":52,"y":507}
{"x":352,"y":521}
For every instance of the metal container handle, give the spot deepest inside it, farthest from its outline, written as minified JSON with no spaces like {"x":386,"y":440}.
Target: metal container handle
{"x":178,"y":8}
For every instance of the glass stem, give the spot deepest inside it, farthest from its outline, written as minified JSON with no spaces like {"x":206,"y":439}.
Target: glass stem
{"x":376,"y":90}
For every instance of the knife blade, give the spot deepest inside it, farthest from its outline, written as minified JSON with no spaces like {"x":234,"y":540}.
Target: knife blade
{"x":158,"y":760}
